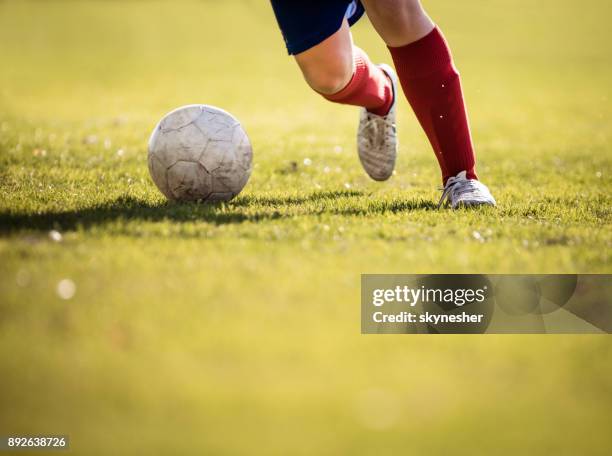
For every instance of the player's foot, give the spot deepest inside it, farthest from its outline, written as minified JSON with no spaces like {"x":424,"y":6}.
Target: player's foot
{"x":462,"y":192}
{"x":377,"y":137}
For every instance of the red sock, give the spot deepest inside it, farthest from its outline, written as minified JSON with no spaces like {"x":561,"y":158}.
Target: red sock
{"x":370,"y":87}
{"x":433,"y":88}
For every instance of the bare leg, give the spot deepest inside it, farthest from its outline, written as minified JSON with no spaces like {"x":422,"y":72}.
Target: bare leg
{"x":398,"y":22}
{"x":343,"y":73}
{"x":328,"y":66}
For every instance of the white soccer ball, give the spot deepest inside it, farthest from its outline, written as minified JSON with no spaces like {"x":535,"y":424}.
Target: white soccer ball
{"x":200,"y":152}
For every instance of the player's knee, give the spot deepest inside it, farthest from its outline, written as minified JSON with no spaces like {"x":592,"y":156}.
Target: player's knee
{"x":328,"y":79}
{"x":398,"y":16}
{"x":328,"y":83}
{"x":395,"y":10}
{"x":328,"y":66}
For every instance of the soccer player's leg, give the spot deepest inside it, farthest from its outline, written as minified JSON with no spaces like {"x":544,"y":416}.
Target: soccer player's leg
{"x":342,"y":73}
{"x":432,"y":85}
{"x":328,"y":67}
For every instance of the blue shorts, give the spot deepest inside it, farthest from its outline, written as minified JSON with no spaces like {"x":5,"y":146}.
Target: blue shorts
{"x":305,"y":23}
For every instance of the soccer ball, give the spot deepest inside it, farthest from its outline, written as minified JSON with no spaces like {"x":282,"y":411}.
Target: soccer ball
{"x":200,"y":153}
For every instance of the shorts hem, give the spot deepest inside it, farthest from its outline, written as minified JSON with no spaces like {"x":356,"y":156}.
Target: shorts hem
{"x":297,"y":47}
{"x":311,"y":41}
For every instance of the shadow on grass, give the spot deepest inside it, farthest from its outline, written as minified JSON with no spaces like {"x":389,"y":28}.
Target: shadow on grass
{"x":273,"y":201}
{"x":124,"y":208}
{"x":372,"y":206}
{"x":394,"y":206}
{"x":129,"y":209}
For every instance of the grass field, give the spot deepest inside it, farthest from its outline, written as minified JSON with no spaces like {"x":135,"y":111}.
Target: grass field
{"x":234,"y":328}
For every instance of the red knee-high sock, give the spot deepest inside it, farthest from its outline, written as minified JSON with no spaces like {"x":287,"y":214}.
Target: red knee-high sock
{"x":369,"y":87}
{"x":433,"y":88}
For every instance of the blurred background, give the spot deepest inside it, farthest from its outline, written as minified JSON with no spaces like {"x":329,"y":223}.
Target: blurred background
{"x":136,"y":327}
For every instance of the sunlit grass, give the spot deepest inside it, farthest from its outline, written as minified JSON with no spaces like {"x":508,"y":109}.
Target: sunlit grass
{"x":234,"y":328}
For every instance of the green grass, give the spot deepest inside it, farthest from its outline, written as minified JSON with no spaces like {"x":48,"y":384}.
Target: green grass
{"x":234,"y":328}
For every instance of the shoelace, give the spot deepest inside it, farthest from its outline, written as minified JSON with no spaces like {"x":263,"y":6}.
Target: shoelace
{"x":372,"y":123}
{"x":456,"y":186}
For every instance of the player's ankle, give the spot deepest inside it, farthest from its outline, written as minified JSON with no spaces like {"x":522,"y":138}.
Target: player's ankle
{"x":384,"y":109}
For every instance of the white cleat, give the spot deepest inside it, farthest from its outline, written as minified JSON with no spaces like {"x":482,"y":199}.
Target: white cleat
{"x":377,"y":137}
{"x":460,"y":191}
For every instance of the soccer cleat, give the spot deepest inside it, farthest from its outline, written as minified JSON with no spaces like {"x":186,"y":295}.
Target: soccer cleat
{"x":462,"y":192}
{"x":377,"y":137}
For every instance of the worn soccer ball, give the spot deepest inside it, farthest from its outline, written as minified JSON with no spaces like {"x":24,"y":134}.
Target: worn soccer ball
{"x":200,"y":153}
